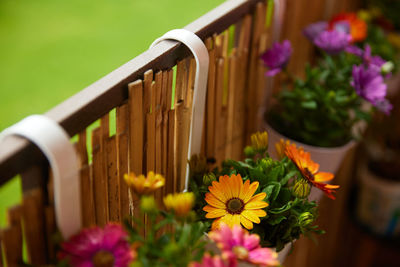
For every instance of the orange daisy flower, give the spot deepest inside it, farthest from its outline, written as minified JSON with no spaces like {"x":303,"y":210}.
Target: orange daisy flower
{"x":309,"y":170}
{"x":358,"y":27}
{"x":231,"y":201}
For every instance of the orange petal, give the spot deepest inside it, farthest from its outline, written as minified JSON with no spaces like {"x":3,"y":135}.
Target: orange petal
{"x":213,"y":201}
{"x":225,"y":184}
{"x":323,"y":176}
{"x":218,"y":192}
{"x":245,"y":188}
{"x":259,"y":197}
{"x":236,"y":184}
{"x":216,"y":223}
{"x":250,"y":192}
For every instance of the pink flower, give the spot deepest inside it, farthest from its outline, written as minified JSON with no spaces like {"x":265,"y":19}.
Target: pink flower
{"x":239,"y":243}
{"x":215,"y":261}
{"x":98,"y":247}
{"x":277,"y":57}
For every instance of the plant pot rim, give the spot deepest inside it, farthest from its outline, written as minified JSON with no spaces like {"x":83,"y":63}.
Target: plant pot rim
{"x":307,"y":147}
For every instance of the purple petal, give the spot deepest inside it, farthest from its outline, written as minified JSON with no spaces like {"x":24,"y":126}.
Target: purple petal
{"x":313,"y":30}
{"x":332,"y":42}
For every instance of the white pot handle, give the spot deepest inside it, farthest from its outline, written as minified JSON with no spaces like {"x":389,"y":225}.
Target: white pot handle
{"x":200,"y":52}
{"x":56,"y":146}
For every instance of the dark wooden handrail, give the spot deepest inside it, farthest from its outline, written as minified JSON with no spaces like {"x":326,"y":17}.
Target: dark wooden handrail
{"x":88,"y":105}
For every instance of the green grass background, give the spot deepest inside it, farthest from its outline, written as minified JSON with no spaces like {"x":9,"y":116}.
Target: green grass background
{"x":51,"y":49}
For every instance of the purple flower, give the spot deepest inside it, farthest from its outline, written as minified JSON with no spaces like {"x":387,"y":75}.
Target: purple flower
{"x":368,"y":59}
{"x":313,"y":30}
{"x":277,"y":57}
{"x":384,"y":106}
{"x":332,"y":42}
{"x":368,"y":83}
{"x":342,"y":26}
{"x":98,"y":247}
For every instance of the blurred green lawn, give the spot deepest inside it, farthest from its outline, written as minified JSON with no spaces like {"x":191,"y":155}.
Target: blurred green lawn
{"x":51,"y":49}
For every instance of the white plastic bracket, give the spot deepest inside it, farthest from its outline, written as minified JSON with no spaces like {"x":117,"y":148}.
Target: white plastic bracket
{"x":200,"y":53}
{"x":56,"y":146}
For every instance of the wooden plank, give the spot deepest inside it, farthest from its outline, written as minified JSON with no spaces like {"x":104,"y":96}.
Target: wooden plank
{"x":34,"y":227}
{"x":231,"y":120}
{"x":147,"y":95}
{"x":219,"y":113}
{"x":170,"y":183}
{"x":210,"y":104}
{"x":151,"y":135}
{"x":12,"y":237}
{"x":158,"y":121}
{"x":99,"y":179}
{"x":136,"y":141}
{"x":113,"y":181}
{"x":122,"y":136}
{"x":51,"y":230}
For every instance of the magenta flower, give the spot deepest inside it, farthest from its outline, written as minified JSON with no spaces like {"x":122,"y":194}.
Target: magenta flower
{"x":277,"y":57}
{"x":215,"y":261}
{"x":98,"y":247}
{"x":368,"y":83}
{"x":239,"y":243}
{"x":332,"y":42}
{"x":313,"y":30}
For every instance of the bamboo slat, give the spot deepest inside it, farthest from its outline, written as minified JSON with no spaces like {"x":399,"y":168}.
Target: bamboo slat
{"x":149,"y":98}
{"x":34,"y":227}
{"x":88,"y":207}
{"x":12,"y":237}
{"x":210,"y":101}
{"x":219,"y":113}
{"x":99,"y":178}
{"x":113,"y":180}
{"x":122,"y":137}
{"x":136,"y":129}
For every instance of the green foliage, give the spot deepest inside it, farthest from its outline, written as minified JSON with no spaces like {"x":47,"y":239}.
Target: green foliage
{"x":321,"y":109}
{"x":286,"y":213}
{"x":177,"y":247}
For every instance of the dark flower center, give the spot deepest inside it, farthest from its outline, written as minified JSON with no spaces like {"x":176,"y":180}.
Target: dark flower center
{"x":308,"y":174}
{"x":103,"y":258}
{"x":234,"y":205}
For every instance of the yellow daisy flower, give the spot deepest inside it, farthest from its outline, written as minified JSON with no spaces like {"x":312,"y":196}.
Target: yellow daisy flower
{"x":180,"y":203}
{"x":232,"y":202}
{"x":144,"y":185}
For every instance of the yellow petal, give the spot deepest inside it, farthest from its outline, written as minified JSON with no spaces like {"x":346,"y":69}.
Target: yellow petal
{"x":250,"y":215}
{"x":245,"y":188}
{"x":236,"y":219}
{"x":216,"y":213}
{"x":213,"y":201}
{"x":259,"y":213}
{"x":246,"y":223}
{"x":216,"y":223}
{"x":228,"y":219}
{"x":259,"y":197}
{"x":251,"y":205}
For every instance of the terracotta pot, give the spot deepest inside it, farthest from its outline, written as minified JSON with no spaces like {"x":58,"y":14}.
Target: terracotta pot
{"x":378,"y":202}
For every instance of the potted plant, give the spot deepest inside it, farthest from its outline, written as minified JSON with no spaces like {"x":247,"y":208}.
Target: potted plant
{"x":172,"y":237}
{"x":342,"y":89}
{"x":378,"y":198}
{"x":266,"y":196}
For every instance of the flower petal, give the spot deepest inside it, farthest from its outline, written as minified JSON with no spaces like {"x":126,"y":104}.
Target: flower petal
{"x":215,"y":213}
{"x":251,"y":216}
{"x":213,"y":201}
{"x":250,"y":192}
{"x":251,"y":205}
{"x":246,"y":222}
{"x":323,"y":176}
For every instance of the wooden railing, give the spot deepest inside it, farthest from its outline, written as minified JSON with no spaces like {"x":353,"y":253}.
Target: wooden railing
{"x":152,"y":125}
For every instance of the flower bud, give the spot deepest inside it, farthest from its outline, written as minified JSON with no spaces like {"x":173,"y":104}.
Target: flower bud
{"x":148,"y":204}
{"x":305,"y":219}
{"x":249,"y":151}
{"x":266,"y":163}
{"x":387,"y":67}
{"x":209,"y":178}
{"x":259,"y":141}
{"x":301,"y":189}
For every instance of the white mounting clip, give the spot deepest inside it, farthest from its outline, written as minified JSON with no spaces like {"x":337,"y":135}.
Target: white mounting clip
{"x":56,"y":146}
{"x":200,"y":53}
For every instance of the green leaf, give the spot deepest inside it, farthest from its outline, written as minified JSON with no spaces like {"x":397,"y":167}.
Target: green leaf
{"x":272,"y":190}
{"x":309,"y":104}
{"x":274,"y":220}
{"x":287,"y":177}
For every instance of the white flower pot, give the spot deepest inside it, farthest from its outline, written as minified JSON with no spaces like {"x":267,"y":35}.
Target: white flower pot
{"x":328,"y":158}
{"x":378,"y":203}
